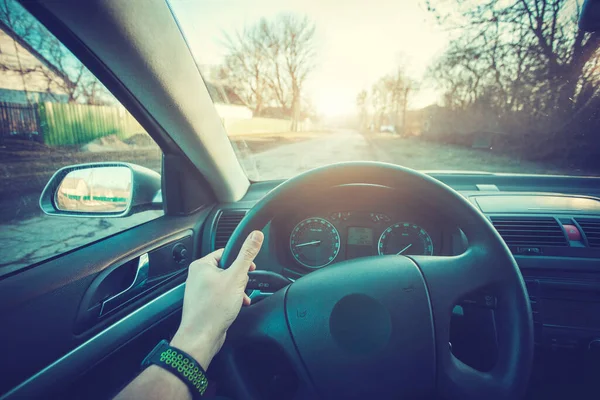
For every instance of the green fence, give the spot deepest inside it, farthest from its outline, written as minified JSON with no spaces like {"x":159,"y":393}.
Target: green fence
{"x":76,"y":124}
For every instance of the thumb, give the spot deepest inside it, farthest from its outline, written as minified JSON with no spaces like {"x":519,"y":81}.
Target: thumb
{"x":248,"y":252}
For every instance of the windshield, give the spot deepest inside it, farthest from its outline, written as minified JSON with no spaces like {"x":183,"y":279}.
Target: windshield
{"x":503,"y":86}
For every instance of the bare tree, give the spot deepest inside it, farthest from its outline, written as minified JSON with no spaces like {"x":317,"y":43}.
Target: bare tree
{"x":522,"y":68}
{"x":378,"y":104}
{"x":269,"y":62}
{"x":527,"y":54}
{"x":389,"y":97}
{"x":245,"y":68}
{"x":398,"y":87}
{"x":296,"y":38}
{"x":363,"y":109}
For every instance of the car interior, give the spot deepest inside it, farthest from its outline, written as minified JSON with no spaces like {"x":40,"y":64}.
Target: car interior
{"x":374,"y":280}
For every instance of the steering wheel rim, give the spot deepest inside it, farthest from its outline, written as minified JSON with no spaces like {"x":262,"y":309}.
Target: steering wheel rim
{"x":487,"y":263}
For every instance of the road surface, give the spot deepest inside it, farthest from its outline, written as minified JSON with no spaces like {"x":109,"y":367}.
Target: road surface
{"x":293,"y":158}
{"x":39,"y":237}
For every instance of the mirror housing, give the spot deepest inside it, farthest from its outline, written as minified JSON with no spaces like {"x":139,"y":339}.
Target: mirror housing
{"x":107,"y":189}
{"x":589,"y":17}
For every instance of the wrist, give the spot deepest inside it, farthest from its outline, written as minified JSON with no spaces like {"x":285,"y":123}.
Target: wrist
{"x":199,"y":346}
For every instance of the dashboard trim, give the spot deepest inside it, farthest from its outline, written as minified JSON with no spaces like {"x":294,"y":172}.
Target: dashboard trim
{"x":574,"y":259}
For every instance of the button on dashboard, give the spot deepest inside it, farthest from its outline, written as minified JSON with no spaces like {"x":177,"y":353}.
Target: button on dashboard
{"x":572,"y":232}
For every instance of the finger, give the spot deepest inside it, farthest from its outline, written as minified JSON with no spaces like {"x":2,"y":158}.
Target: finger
{"x":252,"y":267}
{"x":248,"y":252}
{"x":209,"y":259}
{"x":247,"y":300}
{"x":216,"y":255}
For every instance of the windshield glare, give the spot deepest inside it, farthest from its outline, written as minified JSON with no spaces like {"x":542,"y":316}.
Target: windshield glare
{"x":504,"y":86}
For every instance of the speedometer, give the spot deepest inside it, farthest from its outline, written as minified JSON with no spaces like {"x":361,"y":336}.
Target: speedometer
{"x":405,"y":238}
{"x":314,"y":242}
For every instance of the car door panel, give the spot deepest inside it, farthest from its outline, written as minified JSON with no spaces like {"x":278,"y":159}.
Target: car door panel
{"x":102,"y":380}
{"x":128,"y":281}
{"x":87,"y":355}
{"x":41,"y":308}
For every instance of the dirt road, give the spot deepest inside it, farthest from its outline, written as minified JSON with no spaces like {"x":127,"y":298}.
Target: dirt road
{"x":290,"y":159}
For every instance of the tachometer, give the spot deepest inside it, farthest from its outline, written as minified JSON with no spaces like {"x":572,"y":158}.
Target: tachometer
{"x":314,"y":242}
{"x":406,"y":239}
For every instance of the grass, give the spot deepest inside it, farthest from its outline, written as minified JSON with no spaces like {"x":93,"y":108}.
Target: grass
{"x":426,"y":155}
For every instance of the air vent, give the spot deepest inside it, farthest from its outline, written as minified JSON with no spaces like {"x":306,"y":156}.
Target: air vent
{"x":591,"y":229}
{"x":228,"y":221}
{"x":530,"y":231}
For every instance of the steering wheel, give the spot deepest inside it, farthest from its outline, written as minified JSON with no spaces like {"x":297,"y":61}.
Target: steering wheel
{"x":378,"y":327}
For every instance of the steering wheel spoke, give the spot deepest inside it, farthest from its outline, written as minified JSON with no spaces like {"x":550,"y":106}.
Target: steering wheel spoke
{"x":451,"y":279}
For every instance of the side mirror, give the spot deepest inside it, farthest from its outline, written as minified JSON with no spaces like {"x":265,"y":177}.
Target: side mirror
{"x":101,"y":190}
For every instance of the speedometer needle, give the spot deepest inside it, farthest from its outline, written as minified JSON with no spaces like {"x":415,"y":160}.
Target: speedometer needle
{"x":403,"y":250}
{"x":308,"y":243}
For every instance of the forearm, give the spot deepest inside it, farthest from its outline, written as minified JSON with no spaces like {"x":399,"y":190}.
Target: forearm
{"x":212,"y":300}
{"x":154,"y":383}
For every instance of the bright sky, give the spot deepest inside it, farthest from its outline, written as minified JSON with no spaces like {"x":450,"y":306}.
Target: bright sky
{"x":357,"y":42}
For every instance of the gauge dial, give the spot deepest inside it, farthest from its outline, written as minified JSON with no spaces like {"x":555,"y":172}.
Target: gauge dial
{"x":406,"y":239}
{"x":314,"y":242}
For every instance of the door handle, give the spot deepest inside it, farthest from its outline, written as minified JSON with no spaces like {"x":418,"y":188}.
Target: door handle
{"x":135,"y":288}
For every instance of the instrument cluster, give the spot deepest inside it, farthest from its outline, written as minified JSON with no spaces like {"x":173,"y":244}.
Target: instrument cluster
{"x":320,"y":240}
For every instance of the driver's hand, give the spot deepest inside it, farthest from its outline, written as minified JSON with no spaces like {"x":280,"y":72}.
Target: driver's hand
{"x":213,"y":299}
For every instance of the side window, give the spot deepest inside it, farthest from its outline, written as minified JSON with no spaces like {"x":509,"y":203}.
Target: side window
{"x":55,"y":113}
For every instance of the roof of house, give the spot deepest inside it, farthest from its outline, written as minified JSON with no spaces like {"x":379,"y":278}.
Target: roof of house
{"x":23,"y":43}
{"x":72,"y":183}
{"x":221,"y":93}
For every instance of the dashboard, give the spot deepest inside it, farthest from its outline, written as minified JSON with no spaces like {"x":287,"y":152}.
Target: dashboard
{"x":359,"y":221}
{"x":550,"y":223}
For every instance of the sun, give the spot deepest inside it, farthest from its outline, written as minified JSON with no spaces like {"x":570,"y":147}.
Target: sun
{"x":331,"y":105}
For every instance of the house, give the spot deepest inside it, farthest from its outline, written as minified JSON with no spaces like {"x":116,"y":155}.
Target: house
{"x":71,"y":193}
{"x":26,"y":76}
{"x":237,"y":117}
{"x":228,"y":103}
{"x":421,"y":122}
{"x":229,"y":106}
{"x":81,"y":194}
{"x":74,"y":187}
